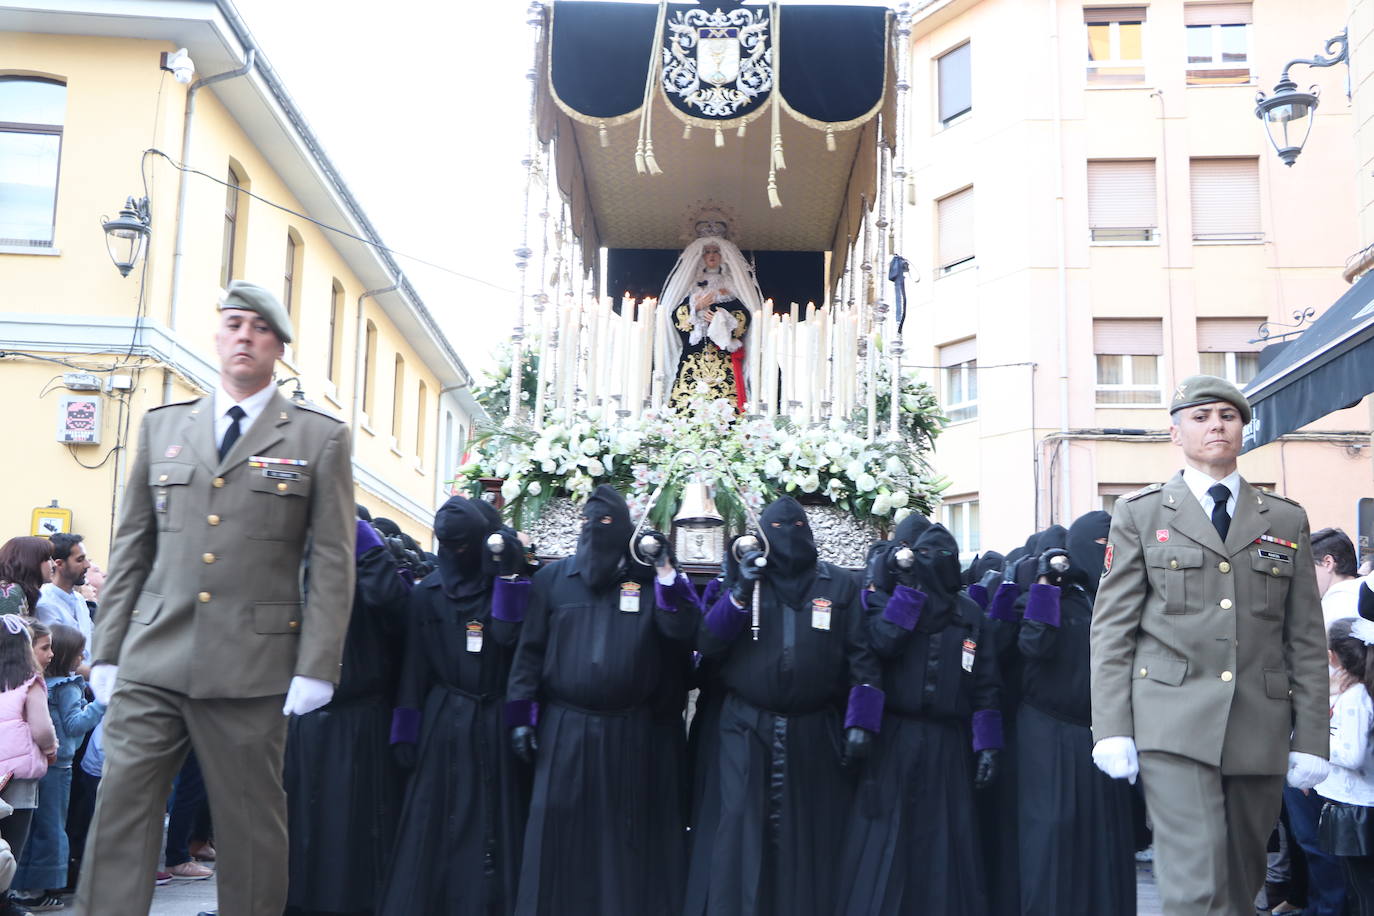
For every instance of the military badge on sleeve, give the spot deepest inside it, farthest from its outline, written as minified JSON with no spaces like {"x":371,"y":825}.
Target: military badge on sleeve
{"x":1107,"y":561}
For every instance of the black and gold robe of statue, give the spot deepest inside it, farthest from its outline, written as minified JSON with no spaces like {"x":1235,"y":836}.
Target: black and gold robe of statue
{"x":704,"y":364}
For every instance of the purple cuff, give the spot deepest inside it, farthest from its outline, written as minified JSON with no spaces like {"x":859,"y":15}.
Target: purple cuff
{"x":509,"y":598}
{"x":712,"y":592}
{"x":979,"y":594}
{"x":1043,"y":604}
{"x":405,"y":725}
{"x":987,"y":730}
{"x":1003,"y":604}
{"x":865,"y":708}
{"x":368,"y":538}
{"x":520,"y":712}
{"x":904,"y":607}
{"x":724,"y":620}
{"x":668,"y":597}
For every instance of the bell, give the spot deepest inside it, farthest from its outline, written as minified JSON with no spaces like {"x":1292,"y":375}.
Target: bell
{"x":698,"y":528}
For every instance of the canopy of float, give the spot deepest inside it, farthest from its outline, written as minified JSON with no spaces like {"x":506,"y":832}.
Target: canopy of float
{"x":835,"y":69}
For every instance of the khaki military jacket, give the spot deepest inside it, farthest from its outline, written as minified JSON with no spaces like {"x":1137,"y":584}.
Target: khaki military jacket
{"x":1211,"y":651}
{"x":204,"y":594}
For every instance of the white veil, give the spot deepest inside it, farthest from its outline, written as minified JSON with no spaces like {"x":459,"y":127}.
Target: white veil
{"x":682,"y":279}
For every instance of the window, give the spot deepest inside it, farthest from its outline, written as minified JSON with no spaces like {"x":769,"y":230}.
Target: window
{"x":335,"y":331}
{"x":955,"y":216}
{"x":398,"y":399}
{"x":1115,"y":45}
{"x":959,"y":374}
{"x":1121,"y":200}
{"x":1225,"y":200}
{"x":1128,"y":355}
{"x":1109,"y":493}
{"x":421,"y":420}
{"x":1218,"y":43}
{"x":31,"y":115}
{"x":292,"y":266}
{"x":233,"y":227}
{"x":956,"y":87}
{"x":369,"y":365}
{"x":960,"y":516}
{"x":1225,"y":350}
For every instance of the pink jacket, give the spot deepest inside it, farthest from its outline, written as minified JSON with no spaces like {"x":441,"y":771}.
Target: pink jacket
{"x":18,"y":752}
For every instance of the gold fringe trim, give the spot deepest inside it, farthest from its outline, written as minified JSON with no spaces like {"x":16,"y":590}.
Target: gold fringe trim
{"x":720,"y":138}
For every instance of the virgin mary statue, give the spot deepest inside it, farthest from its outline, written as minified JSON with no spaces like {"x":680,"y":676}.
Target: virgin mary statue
{"x":708,"y":300}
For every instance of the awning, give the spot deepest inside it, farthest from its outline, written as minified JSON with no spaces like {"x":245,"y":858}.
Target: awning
{"x":1330,"y":366}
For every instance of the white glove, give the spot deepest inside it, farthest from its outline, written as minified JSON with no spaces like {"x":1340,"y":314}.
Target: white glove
{"x":1306,"y":770}
{"x":306,"y":694}
{"x":1116,"y":757}
{"x":103,"y":682}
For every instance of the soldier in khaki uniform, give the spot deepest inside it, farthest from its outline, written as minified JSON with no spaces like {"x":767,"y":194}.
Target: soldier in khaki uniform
{"x":1208,"y":659}
{"x":202,"y":625}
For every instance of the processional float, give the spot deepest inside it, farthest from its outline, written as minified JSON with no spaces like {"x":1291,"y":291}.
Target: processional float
{"x":774,"y":127}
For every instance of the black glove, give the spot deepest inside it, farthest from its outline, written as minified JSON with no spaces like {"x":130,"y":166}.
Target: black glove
{"x":523,"y":743}
{"x":991,"y":580}
{"x":857,"y":742}
{"x":665,"y":549}
{"x":1053,"y":565}
{"x":905,"y":575}
{"x":986,"y":770}
{"x":404,"y":754}
{"x":749,"y":575}
{"x":511,"y":559}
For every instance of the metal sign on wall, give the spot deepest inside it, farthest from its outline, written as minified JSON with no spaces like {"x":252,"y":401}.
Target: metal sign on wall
{"x":78,"y":419}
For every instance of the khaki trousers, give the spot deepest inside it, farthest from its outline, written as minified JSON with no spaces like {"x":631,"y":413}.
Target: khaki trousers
{"x":239,"y":744}
{"x":1210,"y":833}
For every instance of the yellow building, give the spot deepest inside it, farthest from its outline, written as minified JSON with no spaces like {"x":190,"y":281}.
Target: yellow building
{"x":86,"y":351}
{"x":1094,"y":214}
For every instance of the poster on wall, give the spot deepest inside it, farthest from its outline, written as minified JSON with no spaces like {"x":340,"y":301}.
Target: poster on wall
{"x":78,"y":419}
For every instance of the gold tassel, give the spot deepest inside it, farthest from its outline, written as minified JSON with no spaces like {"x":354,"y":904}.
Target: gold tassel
{"x":778,"y":161}
{"x":830,"y":139}
{"x":720,"y":138}
{"x":649,"y":160}
{"x":774,"y":200}
{"x":605,"y":137}
{"x":740,"y":133}
{"x":639,"y":157}
{"x":687,"y":132}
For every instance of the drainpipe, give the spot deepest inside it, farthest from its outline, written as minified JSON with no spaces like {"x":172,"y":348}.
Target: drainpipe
{"x":1064,"y":506}
{"x":179,"y":249}
{"x":360,"y":345}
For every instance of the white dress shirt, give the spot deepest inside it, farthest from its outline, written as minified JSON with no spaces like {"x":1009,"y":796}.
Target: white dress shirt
{"x":1199,"y":482}
{"x":251,"y":406}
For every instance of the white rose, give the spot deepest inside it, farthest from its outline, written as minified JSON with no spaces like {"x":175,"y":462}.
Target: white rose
{"x":534,"y":488}
{"x":773,"y":466}
{"x":511,"y":488}
{"x":833,"y":449}
{"x":810,"y":483}
{"x":590,"y":446}
{"x":893,"y":466}
{"x":898,"y":499}
{"x":595,"y":468}
{"x":900,"y":514}
{"x":882,"y":505}
{"x":865,"y":482}
{"x":854,"y":470}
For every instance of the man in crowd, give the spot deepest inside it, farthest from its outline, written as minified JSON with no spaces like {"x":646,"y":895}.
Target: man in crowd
{"x":203,"y":630}
{"x":59,"y":601}
{"x":1337,"y":576}
{"x":1208,"y":658}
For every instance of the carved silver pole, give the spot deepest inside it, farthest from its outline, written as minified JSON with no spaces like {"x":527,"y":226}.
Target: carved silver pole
{"x":898,"y":196}
{"x":535,"y":19}
{"x":541,"y":299}
{"x":867,"y":348}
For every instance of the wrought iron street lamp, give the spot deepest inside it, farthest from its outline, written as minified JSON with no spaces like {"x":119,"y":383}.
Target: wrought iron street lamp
{"x":127,"y":233}
{"x":1287,"y":114}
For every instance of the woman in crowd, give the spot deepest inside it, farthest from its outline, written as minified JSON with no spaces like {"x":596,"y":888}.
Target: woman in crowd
{"x":25,"y":566}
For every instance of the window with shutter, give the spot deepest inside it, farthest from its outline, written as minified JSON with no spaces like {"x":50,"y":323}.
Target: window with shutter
{"x":955,"y":217}
{"x":959,"y":373}
{"x":1128,"y":352}
{"x":959,"y":515}
{"x":1226,"y":200}
{"x":956,"y":83}
{"x":1121,"y":200}
{"x":1115,"y":44}
{"x":1225,"y":349}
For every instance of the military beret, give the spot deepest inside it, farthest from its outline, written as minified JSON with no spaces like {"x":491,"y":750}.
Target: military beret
{"x":1205,"y":389}
{"x":253,"y":298}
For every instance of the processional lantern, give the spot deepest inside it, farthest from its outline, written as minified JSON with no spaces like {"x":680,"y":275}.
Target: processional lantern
{"x":698,"y":528}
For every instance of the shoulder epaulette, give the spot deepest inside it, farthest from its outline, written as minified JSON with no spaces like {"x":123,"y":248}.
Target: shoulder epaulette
{"x":315,"y":408}
{"x":1143,"y":491}
{"x":174,"y":404}
{"x":1270,"y":494}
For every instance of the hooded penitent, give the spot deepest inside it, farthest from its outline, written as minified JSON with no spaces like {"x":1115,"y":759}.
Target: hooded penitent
{"x":1085,"y":553}
{"x":461,"y":526}
{"x":879,"y":572}
{"x":791,"y":549}
{"x":937,"y":565}
{"x":603,"y":546}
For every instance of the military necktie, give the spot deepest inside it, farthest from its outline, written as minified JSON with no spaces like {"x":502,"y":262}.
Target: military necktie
{"x":231,"y":435}
{"x":1220,"y":493}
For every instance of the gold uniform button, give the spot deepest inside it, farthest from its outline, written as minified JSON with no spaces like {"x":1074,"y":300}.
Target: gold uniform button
{"x":208,"y":557}
{"x":212,"y":519}
{"x":293,"y":624}
{"x":204,"y":597}
{"x":218,"y":482}
{"x":1226,"y":676}
{"x":1273,"y":570}
{"x":1144,"y":671}
{"x":1173,"y":564}
{"x":281,"y":488}
{"x":162,"y":479}
{"x":1226,"y":604}
{"x":1223,"y":567}
{"x":136,"y":612}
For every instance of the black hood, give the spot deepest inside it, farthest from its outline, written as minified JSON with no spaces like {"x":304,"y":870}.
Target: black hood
{"x":1086,"y":556}
{"x":603,"y":549}
{"x":461,"y":526}
{"x":937,"y":565}
{"x":909,"y":529}
{"x":1025,"y":567}
{"x":792,"y":552}
{"x":982,"y":565}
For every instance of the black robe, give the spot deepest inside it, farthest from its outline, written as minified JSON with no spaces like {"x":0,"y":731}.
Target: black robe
{"x":458,"y":847}
{"x":1075,"y":828}
{"x":343,"y":789}
{"x":771,"y":823}
{"x":912,"y":846}
{"x":591,"y":844}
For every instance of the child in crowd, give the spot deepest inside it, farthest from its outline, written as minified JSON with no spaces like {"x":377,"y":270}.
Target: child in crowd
{"x":43,"y":863}
{"x":1347,"y":819}
{"x":28,"y":742}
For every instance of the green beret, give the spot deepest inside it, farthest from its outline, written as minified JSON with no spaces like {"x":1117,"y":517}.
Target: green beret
{"x":1206,"y":389}
{"x":253,"y":298}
